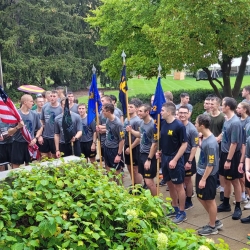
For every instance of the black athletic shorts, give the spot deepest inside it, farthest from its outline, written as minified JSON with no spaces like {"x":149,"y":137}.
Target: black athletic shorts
{"x":232,"y":173}
{"x":175,"y":175}
{"x":5,"y":153}
{"x":109,"y":157}
{"x":86,"y":149}
{"x":134,"y":154}
{"x":66,"y":148}
{"x":191,"y":171}
{"x":20,"y":153}
{"x":147,"y":174}
{"x":48,"y":146}
{"x":209,"y":191}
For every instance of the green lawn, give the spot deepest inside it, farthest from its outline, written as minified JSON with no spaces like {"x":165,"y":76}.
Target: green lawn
{"x":141,"y":86}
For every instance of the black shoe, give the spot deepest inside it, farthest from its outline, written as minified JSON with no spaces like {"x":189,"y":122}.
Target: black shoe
{"x":221,"y":196}
{"x":237,"y":213}
{"x":223,"y":208}
{"x":245,"y":220}
{"x":145,"y":186}
{"x":162,"y":183}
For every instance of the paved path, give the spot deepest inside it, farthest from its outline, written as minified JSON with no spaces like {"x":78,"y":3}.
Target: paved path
{"x":233,"y":232}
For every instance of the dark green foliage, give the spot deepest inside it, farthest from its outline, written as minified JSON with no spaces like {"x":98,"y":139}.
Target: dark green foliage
{"x":75,"y":206}
{"x":40,"y":39}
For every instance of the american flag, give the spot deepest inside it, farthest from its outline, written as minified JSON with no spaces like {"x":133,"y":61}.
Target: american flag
{"x":9,"y":114}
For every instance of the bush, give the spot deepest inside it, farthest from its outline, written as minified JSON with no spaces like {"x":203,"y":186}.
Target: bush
{"x":74,"y":206}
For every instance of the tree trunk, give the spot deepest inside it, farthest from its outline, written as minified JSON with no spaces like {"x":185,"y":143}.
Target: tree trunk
{"x":226,"y":68}
{"x":216,"y":91}
{"x":240,"y":75}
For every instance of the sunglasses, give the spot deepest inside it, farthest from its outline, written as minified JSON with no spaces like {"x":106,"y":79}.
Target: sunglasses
{"x":39,"y":95}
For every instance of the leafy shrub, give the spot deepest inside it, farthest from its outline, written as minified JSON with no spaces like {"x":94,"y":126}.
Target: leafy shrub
{"x":74,"y":206}
{"x":198,"y":109}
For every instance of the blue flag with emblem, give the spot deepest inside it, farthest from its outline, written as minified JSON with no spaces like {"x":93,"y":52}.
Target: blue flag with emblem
{"x":123,"y":90}
{"x":94,"y":98}
{"x":158,"y":101}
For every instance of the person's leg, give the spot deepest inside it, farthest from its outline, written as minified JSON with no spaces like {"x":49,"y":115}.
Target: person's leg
{"x":15,"y":165}
{"x":151,"y":185}
{"x":173,"y":194}
{"x":189,"y":186}
{"x":212,"y":211}
{"x":181,"y":195}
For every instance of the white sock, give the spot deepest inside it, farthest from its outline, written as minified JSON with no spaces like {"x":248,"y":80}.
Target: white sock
{"x":243,"y":195}
{"x":221,"y":189}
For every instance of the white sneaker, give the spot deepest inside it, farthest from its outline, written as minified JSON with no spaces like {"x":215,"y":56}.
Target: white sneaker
{"x":243,"y":201}
{"x":247,"y":206}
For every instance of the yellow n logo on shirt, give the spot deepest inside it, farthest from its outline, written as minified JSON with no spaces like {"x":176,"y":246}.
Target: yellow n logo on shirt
{"x":211,"y":158}
{"x":170,"y":132}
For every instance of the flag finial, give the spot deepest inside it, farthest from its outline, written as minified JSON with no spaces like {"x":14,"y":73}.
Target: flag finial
{"x":93,"y":69}
{"x":123,"y":56}
{"x":159,"y":69}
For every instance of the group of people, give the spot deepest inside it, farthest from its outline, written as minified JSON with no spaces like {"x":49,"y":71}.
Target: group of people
{"x":221,"y":133}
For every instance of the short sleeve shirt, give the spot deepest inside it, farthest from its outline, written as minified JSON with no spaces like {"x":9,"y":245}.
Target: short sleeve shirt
{"x":87,"y":130}
{"x":48,"y":116}
{"x":4,"y":129}
{"x":147,"y":131}
{"x":114,"y":133}
{"x":209,"y":155}
{"x":192,"y":137}
{"x":231,"y":133}
{"x":76,"y":119}
{"x":32,"y":123}
{"x":135,"y":124}
{"x":172,"y":135}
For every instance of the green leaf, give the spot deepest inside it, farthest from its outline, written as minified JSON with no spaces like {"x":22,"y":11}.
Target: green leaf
{"x":1,"y":224}
{"x":96,"y":236}
{"x":17,"y":246}
{"x":29,"y":206}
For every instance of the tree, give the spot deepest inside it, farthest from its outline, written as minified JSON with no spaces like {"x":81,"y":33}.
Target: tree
{"x":40,"y":39}
{"x":179,"y":34}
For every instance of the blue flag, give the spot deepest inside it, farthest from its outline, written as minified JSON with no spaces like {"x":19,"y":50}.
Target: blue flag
{"x":158,"y":101}
{"x":93,"y":98}
{"x":123,"y":90}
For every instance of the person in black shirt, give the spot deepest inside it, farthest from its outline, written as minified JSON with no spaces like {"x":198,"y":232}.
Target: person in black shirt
{"x":173,"y":143}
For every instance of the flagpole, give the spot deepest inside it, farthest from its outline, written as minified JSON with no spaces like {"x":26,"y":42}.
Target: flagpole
{"x":129,"y":133}
{"x":97,"y":124}
{"x":158,"y":140}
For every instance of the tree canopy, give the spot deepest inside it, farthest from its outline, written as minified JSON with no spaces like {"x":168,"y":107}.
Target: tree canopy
{"x":40,"y":39}
{"x":178,"y":34}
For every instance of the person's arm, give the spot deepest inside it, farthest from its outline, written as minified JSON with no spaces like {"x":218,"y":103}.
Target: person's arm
{"x":122,"y":119}
{"x":57,"y":140}
{"x":230,"y":155}
{"x":120,"y":149}
{"x":191,"y":157}
{"x":151,"y":154}
{"x":180,"y":153}
{"x":242,"y":159}
{"x":203,"y":180}
{"x":135,"y":133}
{"x":12,"y":131}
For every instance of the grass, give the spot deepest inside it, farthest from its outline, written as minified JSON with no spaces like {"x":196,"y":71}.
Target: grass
{"x":144,"y":86}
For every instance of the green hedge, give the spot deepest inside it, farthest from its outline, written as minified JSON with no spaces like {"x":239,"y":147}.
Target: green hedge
{"x":75,"y":206}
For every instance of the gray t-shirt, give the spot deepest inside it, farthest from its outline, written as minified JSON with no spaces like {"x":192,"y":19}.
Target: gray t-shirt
{"x":244,"y":124}
{"x":102,"y":121}
{"x":87,"y":130}
{"x":77,"y":124}
{"x":192,"y":137}
{"x":114,"y":133}
{"x":209,"y":155}
{"x":118,"y":112}
{"x":248,"y":148}
{"x":247,"y":132}
{"x":4,"y":129}
{"x":48,"y":116}
{"x":135,"y":124}
{"x":32,"y":123}
{"x":245,"y":100}
{"x":147,"y":136}
{"x":39,"y":114}
{"x":75,"y":108}
{"x":190,"y":107}
{"x":231,"y":133}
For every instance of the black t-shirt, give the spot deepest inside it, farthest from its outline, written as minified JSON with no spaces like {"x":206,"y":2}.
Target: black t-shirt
{"x":172,"y":136}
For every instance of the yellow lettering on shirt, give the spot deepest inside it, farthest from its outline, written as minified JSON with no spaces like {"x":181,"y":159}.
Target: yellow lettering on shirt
{"x":211,"y":158}
{"x":170,"y":132}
